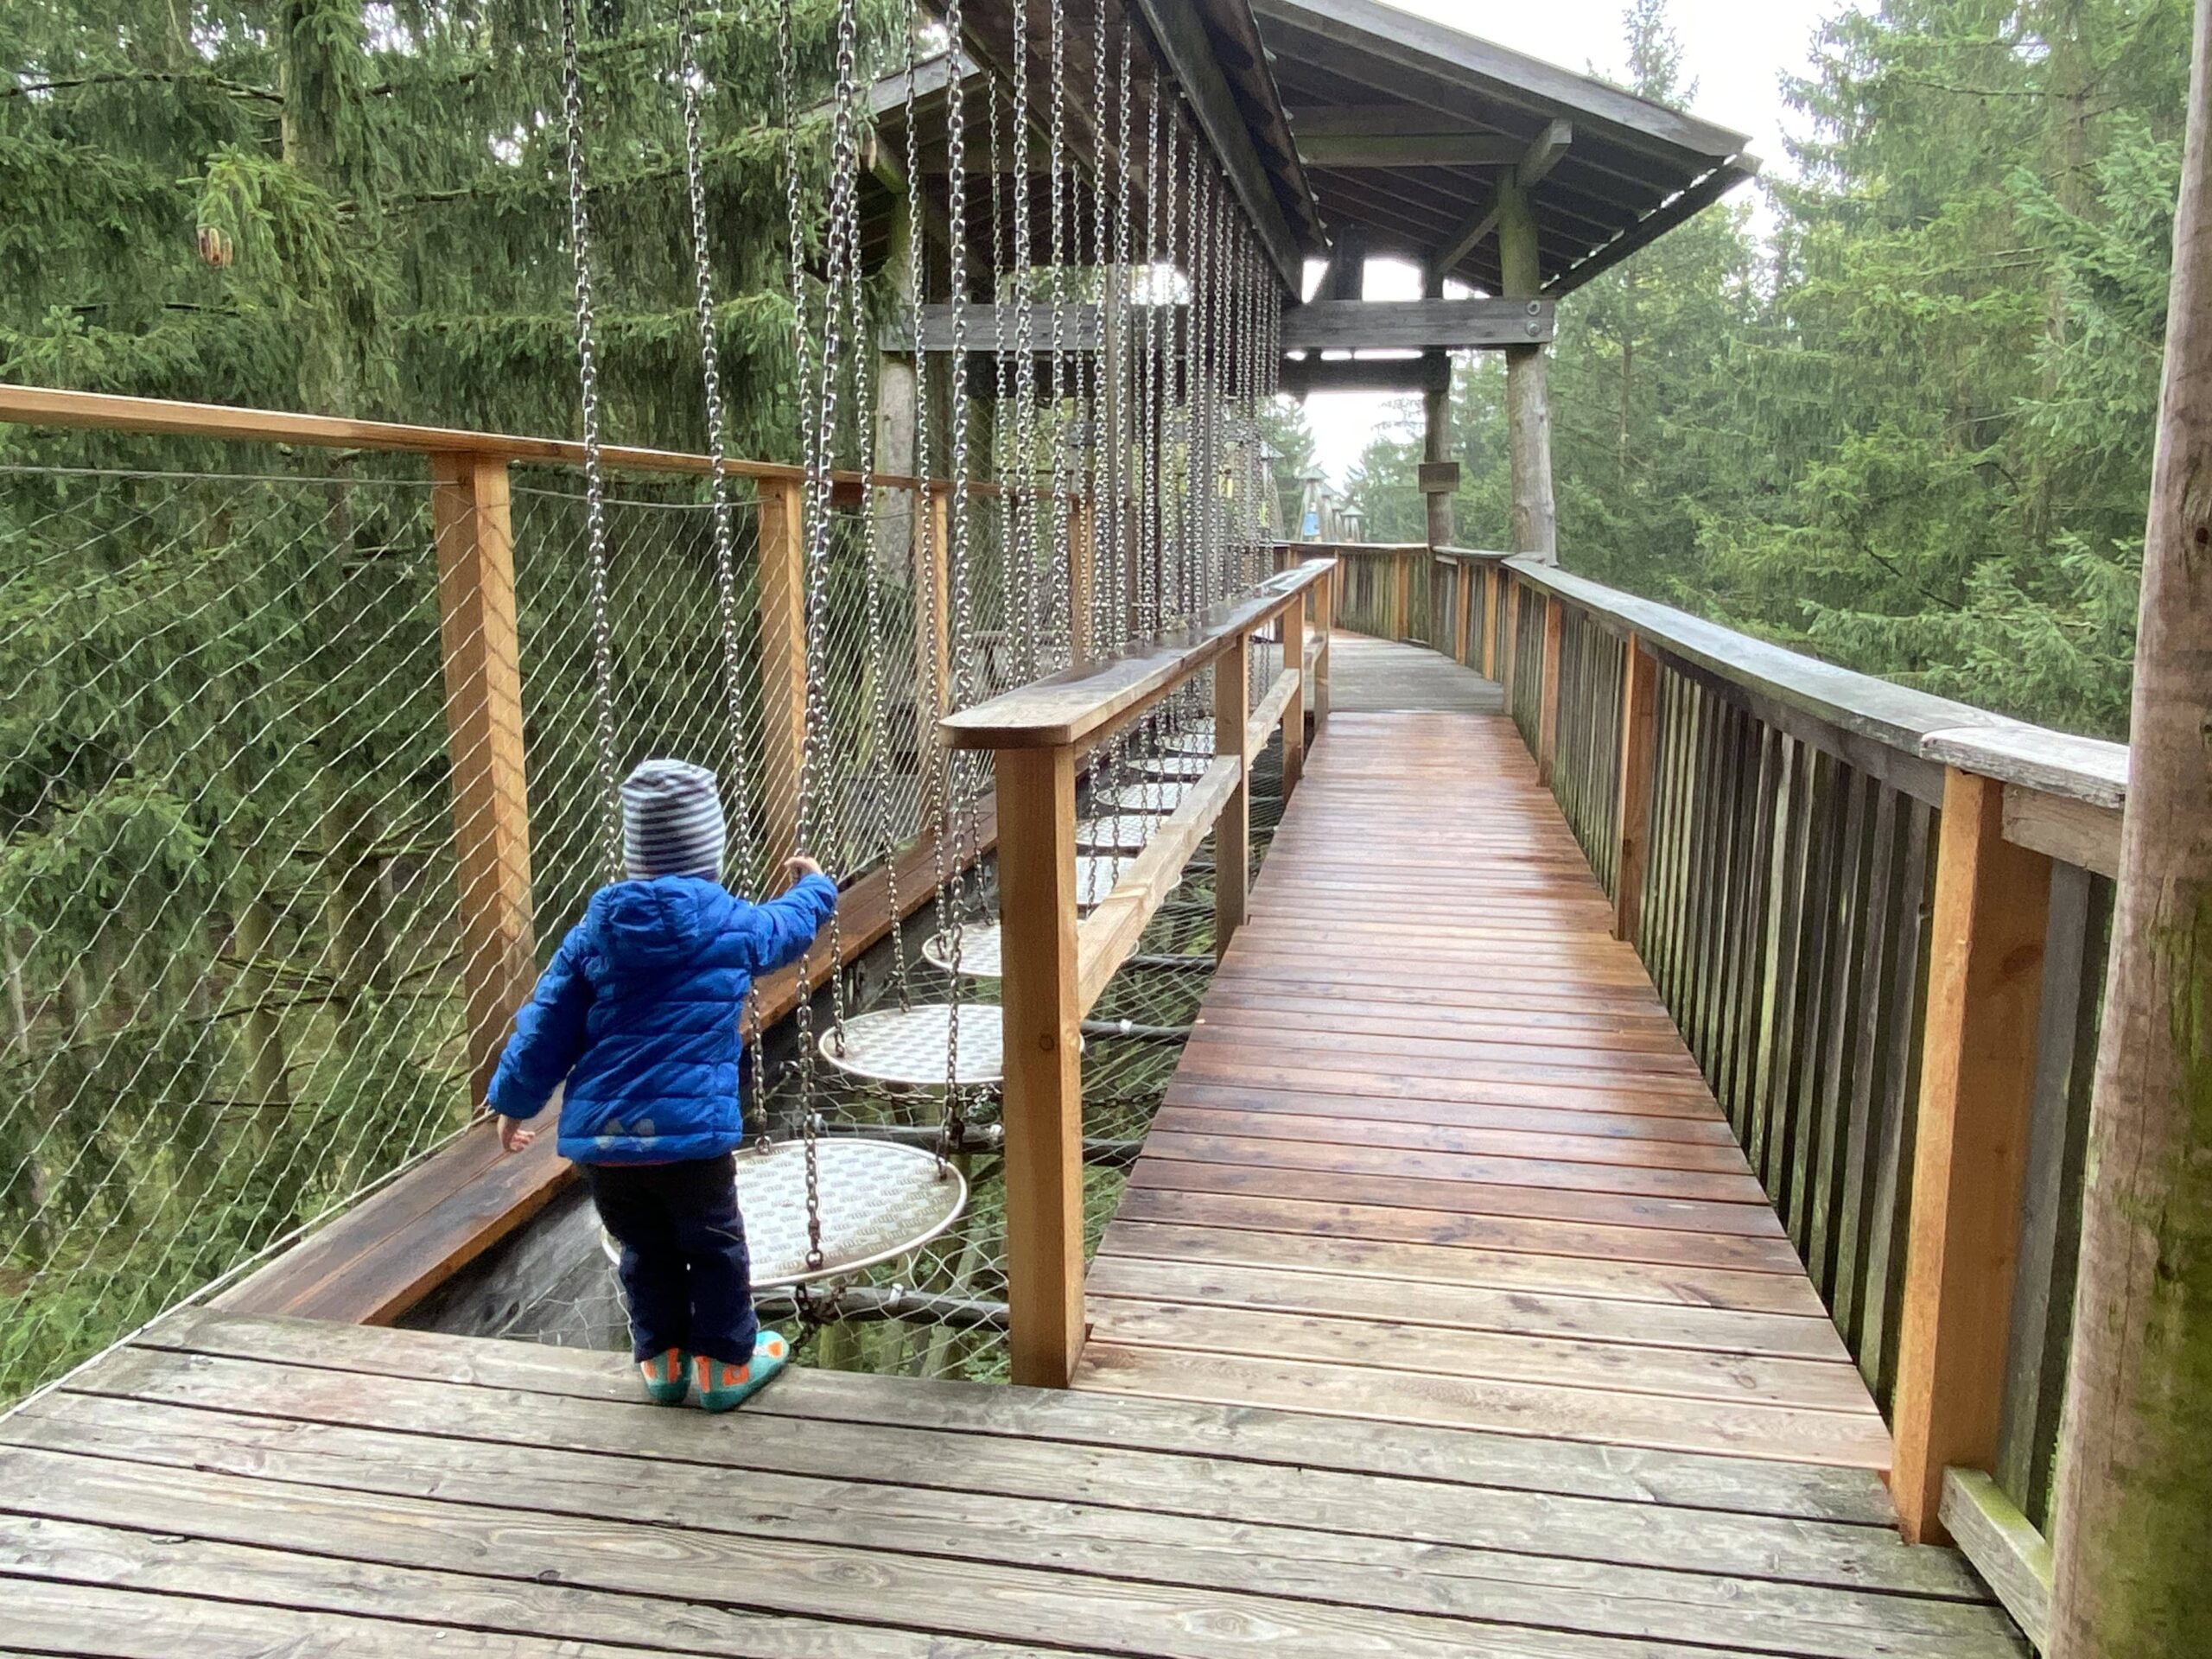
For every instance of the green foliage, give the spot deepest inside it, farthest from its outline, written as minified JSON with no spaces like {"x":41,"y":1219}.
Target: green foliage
{"x":1912,"y":434}
{"x":231,"y":972}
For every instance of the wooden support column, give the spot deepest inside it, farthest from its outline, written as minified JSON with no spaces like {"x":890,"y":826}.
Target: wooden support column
{"x":1043,"y":1108}
{"x":1294,"y":712}
{"x":1232,"y":831}
{"x":1985,"y":983}
{"x":1081,"y":575}
{"x":1632,"y":820}
{"x":484,"y":739}
{"x":1436,"y":431}
{"x":1401,"y":595}
{"x":1548,"y":692}
{"x":1527,"y":405}
{"x":783,"y":661}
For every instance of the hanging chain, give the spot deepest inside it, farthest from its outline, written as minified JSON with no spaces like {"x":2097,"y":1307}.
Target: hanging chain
{"x":1055,"y":153}
{"x":958,"y":789}
{"x":602,"y":630}
{"x":1022,"y":569}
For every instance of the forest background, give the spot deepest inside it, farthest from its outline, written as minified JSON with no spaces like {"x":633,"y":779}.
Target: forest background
{"x":1909,"y":430}
{"x":1906,"y":423}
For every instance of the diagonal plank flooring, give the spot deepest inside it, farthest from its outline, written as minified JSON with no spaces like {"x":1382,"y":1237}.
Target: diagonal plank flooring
{"x":1436,"y":1155}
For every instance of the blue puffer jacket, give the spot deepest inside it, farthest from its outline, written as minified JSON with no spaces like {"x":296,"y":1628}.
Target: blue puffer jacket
{"x":639,"y":1015}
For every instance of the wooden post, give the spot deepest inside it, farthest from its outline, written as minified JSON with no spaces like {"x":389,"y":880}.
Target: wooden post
{"x":1490,"y":621}
{"x":1527,"y":406}
{"x":1402,"y":596}
{"x":484,"y":739}
{"x":932,"y":642}
{"x":783,"y":660}
{"x":1462,"y":581}
{"x":1294,"y":712}
{"x":1512,"y":647}
{"x":1325,"y":622}
{"x":1080,"y":568}
{"x":1042,"y":1093}
{"x":1548,"y":692}
{"x":1232,"y":831}
{"x":1985,"y":981}
{"x":1632,"y":820}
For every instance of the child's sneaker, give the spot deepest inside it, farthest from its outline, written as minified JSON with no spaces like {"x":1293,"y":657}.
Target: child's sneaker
{"x":722,"y":1386}
{"x":667,"y":1377}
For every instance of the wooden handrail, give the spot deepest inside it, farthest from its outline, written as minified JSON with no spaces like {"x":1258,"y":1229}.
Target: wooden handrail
{"x":1089,"y":701}
{"x":1054,"y":967}
{"x":160,"y":417}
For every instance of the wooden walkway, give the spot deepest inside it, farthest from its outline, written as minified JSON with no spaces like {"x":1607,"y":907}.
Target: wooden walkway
{"x":234,"y":1485}
{"x":1435,"y":1173}
{"x":1436,"y":1154}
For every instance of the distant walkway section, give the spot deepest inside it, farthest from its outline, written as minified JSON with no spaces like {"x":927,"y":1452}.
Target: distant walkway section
{"x":1435,"y":1153}
{"x":1368,"y":676}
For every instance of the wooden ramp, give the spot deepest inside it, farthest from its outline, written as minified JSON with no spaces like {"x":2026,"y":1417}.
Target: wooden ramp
{"x":1436,"y":1154}
{"x":232,"y":1485}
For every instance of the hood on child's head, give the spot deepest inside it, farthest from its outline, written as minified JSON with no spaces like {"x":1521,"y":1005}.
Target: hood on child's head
{"x":652,"y":924}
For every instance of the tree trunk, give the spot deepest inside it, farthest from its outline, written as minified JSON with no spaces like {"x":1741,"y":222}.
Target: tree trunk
{"x":2135,"y":1461}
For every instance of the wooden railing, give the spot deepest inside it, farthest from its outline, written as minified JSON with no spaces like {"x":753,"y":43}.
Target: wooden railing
{"x":1879,"y":918}
{"x":1381,"y":587}
{"x":367,"y":1264}
{"x":1054,"y":965}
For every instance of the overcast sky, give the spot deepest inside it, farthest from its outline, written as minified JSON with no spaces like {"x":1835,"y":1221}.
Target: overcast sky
{"x":1737,"y":51}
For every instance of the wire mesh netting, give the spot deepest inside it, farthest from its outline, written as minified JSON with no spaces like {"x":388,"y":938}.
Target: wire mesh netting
{"x":226,"y":891}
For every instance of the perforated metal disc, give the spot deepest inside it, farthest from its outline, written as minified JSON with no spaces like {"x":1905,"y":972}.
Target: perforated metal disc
{"x":1124,"y":832}
{"x":1197,"y":738}
{"x":1175,"y":766}
{"x":880,"y":1200}
{"x":908,"y":1044}
{"x":1159,"y":795}
{"x":979,"y":953}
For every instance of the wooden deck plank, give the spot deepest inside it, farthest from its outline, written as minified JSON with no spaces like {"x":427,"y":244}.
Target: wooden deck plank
{"x":1425,"y":1044}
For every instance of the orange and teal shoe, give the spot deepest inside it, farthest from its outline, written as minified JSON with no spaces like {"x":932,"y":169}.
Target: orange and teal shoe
{"x":723,"y":1387}
{"x":667,"y":1376}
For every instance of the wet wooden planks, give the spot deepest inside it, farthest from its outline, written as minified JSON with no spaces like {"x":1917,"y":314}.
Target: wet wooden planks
{"x":233,"y":1484}
{"x":1367,"y":674}
{"x":1436,"y":1154}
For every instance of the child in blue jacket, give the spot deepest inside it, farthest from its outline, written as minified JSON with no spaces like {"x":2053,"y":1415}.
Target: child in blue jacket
{"x":637,"y":1016}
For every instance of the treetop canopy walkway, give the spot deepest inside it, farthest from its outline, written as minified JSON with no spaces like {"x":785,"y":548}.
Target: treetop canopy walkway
{"x":1616,"y":1197}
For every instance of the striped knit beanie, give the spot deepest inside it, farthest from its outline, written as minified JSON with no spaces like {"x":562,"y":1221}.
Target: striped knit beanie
{"x":672,"y":821}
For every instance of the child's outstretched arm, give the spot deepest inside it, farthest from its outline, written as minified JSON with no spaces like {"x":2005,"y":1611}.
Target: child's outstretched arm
{"x":549,"y":1038}
{"x":791,"y":919}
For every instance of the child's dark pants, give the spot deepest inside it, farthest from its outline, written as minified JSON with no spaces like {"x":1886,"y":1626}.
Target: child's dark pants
{"x":685,"y":1273}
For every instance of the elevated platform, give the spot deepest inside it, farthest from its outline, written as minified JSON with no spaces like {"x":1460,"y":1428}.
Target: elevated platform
{"x":233,"y":1485}
{"x":1442,"y":1318}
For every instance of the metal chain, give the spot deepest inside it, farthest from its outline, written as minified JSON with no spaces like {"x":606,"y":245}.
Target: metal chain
{"x":959,"y":770}
{"x":1056,"y":134}
{"x":1023,"y":567}
{"x":602,"y":632}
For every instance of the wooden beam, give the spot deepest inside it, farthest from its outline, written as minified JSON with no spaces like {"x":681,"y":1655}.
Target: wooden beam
{"x":1415,"y":324}
{"x":1984,"y":985}
{"x":1465,"y":238}
{"x":1490,"y":628}
{"x":1106,"y":936}
{"x":2013,"y":1558}
{"x":1547,"y":694}
{"x":1325,"y":622}
{"x":1632,"y":820}
{"x":1339,"y":120}
{"x":1544,"y":153}
{"x":1401,"y":595}
{"x":1232,"y":838}
{"x":1043,"y":1089}
{"x":1657,"y":223}
{"x":1396,"y":150}
{"x":782,"y":624}
{"x":1180,"y":34}
{"x":1301,"y":377}
{"x":483,"y":744}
